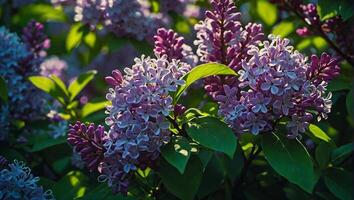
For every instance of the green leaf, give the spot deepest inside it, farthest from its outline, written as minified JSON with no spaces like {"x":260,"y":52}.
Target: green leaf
{"x":102,"y":191}
{"x":49,"y":86}
{"x":3,"y":90}
{"x":290,"y":159}
{"x":43,"y":141}
{"x":80,"y":82}
{"x":202,"y":71}
{"x":341,"y":153}
{"x":323,"y":154}
{"x":283,"y":28}
{"x":184,"y":186}
{"x":214,"y":134}
{"x":177,"y":153}
{"x":267,"y":12}
{"x":339,"y":182}
{"x":205,"y":156}
{"x":92,"y":107}
{"x":39,"y":12}
{"x":60,"y":84}
{"x":74,"y":37}
{"x":338,"y":85}
{"x":72,"y":185}
{"x":318,"y":133}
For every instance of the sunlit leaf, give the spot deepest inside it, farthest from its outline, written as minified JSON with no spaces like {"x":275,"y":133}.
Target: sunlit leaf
{"x":74,"y":37}
{"x":284,"y":28}
{"x":80,"y":82}
{"x":318,"y":133}
{"x":267,"y":12}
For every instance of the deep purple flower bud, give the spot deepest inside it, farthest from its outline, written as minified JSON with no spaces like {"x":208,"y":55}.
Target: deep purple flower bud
{"x":324,"y":68}
{"x":303,"y":32}
{"x":116,"y":78}
{"x":88,"y":142}
{"x":309,"y":11}
{"x":179,"y":110}
{"x":35,"y":39}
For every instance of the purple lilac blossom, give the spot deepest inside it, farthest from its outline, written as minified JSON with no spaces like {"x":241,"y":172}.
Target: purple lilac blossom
{"x":169,"y":43}
{"x":53,"y":66}
{"x":277,"y":82}
{"x":222,"y":38}
{"x":138,"y":128}
{"x":309,"y":11}
{"x":177,"y":6}
{"x":17,"y":182}
{"x":303,"y":32}
{"x":90,"y":12}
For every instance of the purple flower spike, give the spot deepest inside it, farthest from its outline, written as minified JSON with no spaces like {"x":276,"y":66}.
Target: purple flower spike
{"x":324,"y":68}
{"x":169,"y":43}
{"x":88,"y":142}
{"x":35,"y":39}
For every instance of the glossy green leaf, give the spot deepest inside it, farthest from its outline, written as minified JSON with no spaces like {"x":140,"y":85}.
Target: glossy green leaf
{"x":184,"y":186}
{"x":3,"y":90}
{"x":210,"y":132}
{"x":43,"y":141}
{"x":323,"y":154}
{"x":267,"y":12}
{"x":318,"y":133}
{"x":202,"y":71}
{"x":338,"y":85}
{"x":92,"y":107}
{"x":49,"y":86}
{"x":284,"y":28}
{"x":60,"y":84}
{"x":80,"y":82}
{"x":290,"y":159}
{"x":71,"y":186}
{"x":177,"y":153}
{"x":340,"y":183}
{"x":74,"y":37}
{"x":341,"y":153}
{"x":205,"y":156}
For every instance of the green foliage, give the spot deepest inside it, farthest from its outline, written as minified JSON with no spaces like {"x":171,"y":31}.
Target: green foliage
{"x":267,"y":12}
{"x":284,"y":28}
{"x":184,"y":186}
{"x":339,"y":182}
{"x":3,"y":90}
{"x":92,"y":107}
{"x":79,"y":83}
{"x":341,"y":153}
{"x":202,"y":71}
{"x":74,"y":37}
{"x":177,"y":153}
{"x":290,"y":159}
{"x":315,"y":131}
{"x":49,"y":86}
{"x":214,"y":134}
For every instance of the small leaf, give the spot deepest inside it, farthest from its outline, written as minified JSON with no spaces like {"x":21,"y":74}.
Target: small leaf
{"x":79,"y":83}
{"x":3,"y":90}
{"x":184,"y":186}
{"x":341,"y":153}
{"x":74,"y":37}
{"x":39,"y":12}
{"x":210,"y":132}
{"x":339,"y":182}
{"x":318,"y":133}
{"x":202,"y":71}
{"x":92,"y":107}
{"x":290,"y":159}
{"x":177,"y":153}
{"x":267,"y":12}
{"x":284,"y":28}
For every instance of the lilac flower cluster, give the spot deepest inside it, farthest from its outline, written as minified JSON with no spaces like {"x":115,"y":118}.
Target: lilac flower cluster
{"x":140,"y":102}
{"x":18,"y":60}
{"x":17,"y":182}
{"x":178,"y":6}
{"x":222,"y":38}
{"x":278,"y":82}
{"x":123,"y":18}
{"x":169,"y":43}
{"x":54,"y":66}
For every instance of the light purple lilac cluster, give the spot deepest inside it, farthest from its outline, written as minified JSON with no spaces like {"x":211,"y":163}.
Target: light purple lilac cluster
{"x":17,"y":182}
{"x":54,"y":66}
{"x":177,"y":6}
{"x":222,"y":38}
{"x":121,"y":17}
{"x":140,"y":103}
{"x":20,"y":59}
{"x":274,"y":82}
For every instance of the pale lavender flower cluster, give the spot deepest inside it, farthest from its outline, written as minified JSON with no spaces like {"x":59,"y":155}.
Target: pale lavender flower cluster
{"x":277,"y":82}
{"x":222,"y":38}
{"x":123,"y":18}
{"x":138,"y":127}
{"x":53,"y":66}
{"x":17,"y":182}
